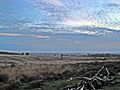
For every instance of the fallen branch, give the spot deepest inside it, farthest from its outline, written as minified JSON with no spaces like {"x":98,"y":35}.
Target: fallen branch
{"x":98,"y":79}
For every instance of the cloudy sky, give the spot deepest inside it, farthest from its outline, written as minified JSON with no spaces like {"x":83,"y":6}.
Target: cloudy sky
{"x":60,"y":25}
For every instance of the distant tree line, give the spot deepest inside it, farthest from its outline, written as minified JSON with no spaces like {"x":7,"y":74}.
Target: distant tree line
{"x":104,"y":55}
{"x":13,"y":53}
{"x":23,"y":53}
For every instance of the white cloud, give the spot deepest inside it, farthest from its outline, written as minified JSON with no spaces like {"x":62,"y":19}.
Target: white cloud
{"x":54,"y":2}
{"x":3,"y":26}
{"x":84,"y":16}
{"x":70,"y":22}
{"x":86,"y":32}
{"x":115,"y":1}
{"x":113,"y":27}
{"x":109,"y":25}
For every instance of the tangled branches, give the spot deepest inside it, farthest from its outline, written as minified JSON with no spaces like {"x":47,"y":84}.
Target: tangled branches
{"x":100,"y":79}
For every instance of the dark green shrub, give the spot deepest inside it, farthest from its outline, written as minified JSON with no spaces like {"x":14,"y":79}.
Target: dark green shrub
{"x":27,"y":53}
{"x":3,"y":78}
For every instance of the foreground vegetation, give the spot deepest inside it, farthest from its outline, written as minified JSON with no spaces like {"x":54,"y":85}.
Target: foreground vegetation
{"x":46,"y":73}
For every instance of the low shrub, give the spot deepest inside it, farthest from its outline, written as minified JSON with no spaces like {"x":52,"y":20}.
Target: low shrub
{"x":3,"y":78}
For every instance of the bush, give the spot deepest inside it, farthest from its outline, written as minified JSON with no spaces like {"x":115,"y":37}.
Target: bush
{"x":3,"y":78}
{"x":27,"y":53}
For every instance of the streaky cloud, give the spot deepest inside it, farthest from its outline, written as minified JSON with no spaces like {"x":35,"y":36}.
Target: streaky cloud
{"x":23,"y":35}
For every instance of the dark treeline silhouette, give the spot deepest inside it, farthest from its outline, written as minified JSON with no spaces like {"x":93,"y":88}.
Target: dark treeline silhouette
{"x":11,"y":53}
{"x":23,"y":53}
{"x":103,"y":55}
{"x":91,"y":55}
{"x":14,"y":53}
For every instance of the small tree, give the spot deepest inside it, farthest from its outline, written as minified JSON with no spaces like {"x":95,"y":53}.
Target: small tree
{"x":27,"y":53}
{"x":62,"y":56}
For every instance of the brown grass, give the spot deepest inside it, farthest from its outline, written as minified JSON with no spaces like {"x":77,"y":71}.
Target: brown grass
{"x":15,"y":66}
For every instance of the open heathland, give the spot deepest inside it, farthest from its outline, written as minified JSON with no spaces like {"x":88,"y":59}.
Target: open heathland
{"x":21,"y":72}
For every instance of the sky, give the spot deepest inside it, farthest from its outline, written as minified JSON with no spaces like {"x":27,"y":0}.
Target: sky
{"x":53,"y":26}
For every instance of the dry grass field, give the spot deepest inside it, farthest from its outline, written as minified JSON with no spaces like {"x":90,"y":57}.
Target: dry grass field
{"x":48,"y":73}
